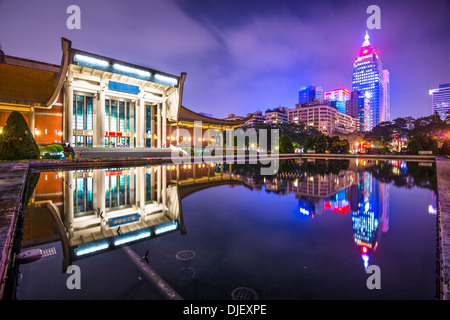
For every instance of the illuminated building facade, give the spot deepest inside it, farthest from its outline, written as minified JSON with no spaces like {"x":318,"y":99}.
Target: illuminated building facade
{"x":310,"y":94}
{"x":368,"y":76}
{"x":338,"y":97}
{"x":95,"y":101}
{"x":325,"y":118}
{"x":358,"y":106}
{"x":441,"y":100}
{"x":276,"y":116}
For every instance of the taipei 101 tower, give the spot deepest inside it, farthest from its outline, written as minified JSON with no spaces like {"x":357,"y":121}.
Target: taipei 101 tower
{"x":370,"y":78}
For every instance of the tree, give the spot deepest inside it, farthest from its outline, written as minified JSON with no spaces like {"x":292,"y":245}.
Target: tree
{"x":16,"y":140}
{"x":286,"y":145}
{"x":422,"y":141}
{"x":309,"y":144}
{"x":321,"y":143}
{"x":445,"y":149}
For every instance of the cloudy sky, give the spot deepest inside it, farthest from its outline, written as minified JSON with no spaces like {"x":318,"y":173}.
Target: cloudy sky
{"x":246,"y":55}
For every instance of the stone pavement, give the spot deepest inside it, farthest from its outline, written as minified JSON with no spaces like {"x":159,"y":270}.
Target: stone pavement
{"x":443,"y":185}
{"x":13,"y":177}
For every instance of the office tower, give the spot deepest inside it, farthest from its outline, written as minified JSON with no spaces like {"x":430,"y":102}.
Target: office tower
{"x":310,"y":93}
{"x":441,"y":100}
{"x":337,"y":98}
{"x":368,"y":76}
{"x":358,"y":106}
{"x":386,"y":95}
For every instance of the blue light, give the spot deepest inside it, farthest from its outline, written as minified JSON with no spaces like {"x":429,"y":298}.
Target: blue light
{"x":91,"y":61}
{"x":304,"y":211}
{"x":166,"y":228}
{"x":90,"y":248}
{"x":170,"y":80}
{"x":126,"y":239}
{"x":139,"y":72}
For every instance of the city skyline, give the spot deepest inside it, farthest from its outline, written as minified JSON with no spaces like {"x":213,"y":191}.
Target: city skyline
{"x":239,"y":57}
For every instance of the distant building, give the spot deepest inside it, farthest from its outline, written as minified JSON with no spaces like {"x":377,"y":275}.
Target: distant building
{"x":337,"y":98}
{"x":369,"y":76}
{"x":276,"y":116}
{"x":358,"y":106}
{"x":257,"y":119}
{"x":441,"y":100}
{"x":232,"y":116}
{"x":310,"y":93}
{"x":325,"y":118}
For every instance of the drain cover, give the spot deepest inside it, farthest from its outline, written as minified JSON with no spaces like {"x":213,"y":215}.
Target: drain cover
{"x":243,"y":293}
{"x":186,"y":274}
{"x":185,"y":255}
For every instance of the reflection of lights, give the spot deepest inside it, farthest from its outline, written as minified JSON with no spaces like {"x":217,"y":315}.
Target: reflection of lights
{"x":431,"y":210}
{"x":304,"y":211}
{"x":166,"y":228}
{"x":364,"y":250}
{"x":365,"y":258}
{"x":123,"y":239}
{"x":366,"y":206}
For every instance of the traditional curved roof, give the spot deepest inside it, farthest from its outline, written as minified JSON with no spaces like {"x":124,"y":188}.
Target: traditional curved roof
{"x":26,"y":81}
{"x":188,"y":115}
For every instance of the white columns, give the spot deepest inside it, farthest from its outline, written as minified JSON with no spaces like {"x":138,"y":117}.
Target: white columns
{"x":68,"y":109}
{"x":140,"y":123}
{"x":68,"y":202}
{"x":158,"y":125}
{"x":152,"y":125}
{"x":100,"y":130}
{"x":132,"y":115}
{"x":164,"y":122}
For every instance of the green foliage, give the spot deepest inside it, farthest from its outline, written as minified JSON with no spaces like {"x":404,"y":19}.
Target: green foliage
{"x":321,"y":143}
{"x":16,"y":140}
{"x":445,"y":149}
{"x":309,"y":144}
{"x":58,"y":147}
{"x":286,"y":145}
{"x":422,"y":141}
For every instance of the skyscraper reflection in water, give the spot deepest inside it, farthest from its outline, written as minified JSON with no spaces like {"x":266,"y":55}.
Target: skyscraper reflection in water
{"x":370,"y":213}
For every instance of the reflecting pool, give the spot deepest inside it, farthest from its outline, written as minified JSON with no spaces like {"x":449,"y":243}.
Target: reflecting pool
{"x":311,"y":231}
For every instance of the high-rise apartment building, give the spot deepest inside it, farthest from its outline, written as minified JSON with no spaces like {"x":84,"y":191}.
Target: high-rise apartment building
{"x":441,"y":100}
{"x":369,"y":77}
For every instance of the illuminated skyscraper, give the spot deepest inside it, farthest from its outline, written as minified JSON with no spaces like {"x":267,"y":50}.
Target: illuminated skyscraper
{"x":441,"y":100}
{"x":310,"y":93}
{"x":369,"y":77}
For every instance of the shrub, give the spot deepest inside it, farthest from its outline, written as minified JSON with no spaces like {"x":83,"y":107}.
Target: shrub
{"x":16,"y":140}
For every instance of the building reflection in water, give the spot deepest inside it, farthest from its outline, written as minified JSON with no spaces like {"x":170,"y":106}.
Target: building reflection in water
{"x":96,"y":210}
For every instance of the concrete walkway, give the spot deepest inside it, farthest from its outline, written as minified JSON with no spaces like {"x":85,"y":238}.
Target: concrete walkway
{"x":13,"y":177}
{"x":443,"y":185}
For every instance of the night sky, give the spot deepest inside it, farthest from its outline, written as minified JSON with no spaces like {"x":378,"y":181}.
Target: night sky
{"x":246,"y":55}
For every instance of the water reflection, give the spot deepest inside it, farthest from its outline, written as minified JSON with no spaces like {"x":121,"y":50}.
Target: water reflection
{"x":94,"y":211}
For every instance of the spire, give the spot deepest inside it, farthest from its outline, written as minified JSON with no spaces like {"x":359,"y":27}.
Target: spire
{"x":366,"y":42}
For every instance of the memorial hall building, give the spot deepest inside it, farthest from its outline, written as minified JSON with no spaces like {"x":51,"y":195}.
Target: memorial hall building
{"x":95,"y":101}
